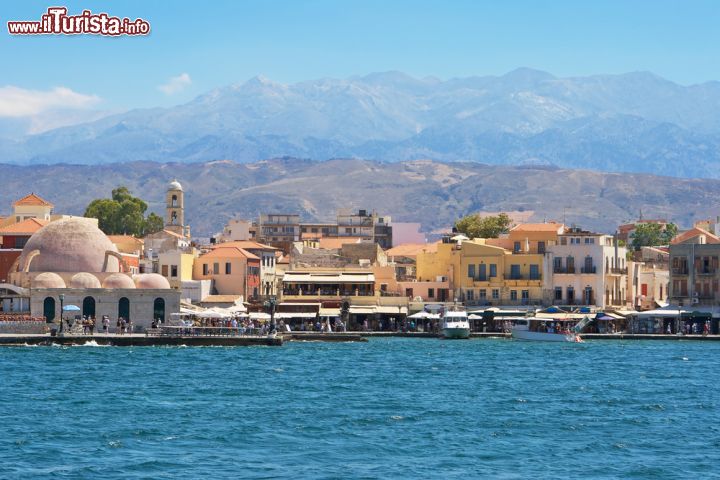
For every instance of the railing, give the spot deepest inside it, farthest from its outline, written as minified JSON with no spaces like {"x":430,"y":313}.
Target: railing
{"x":592,"y":269}
{"x":706,"y":271}
{"x":680,"y":270}
{"x":564,"y":270}
{"x":618,"y":271}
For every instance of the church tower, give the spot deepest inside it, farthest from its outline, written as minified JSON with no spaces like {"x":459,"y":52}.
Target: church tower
{"x":175,"y":208}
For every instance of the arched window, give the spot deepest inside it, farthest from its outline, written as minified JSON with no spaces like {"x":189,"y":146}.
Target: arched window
{"x":159,"y":309}
{"x":174,"y":201}
{"x":124,"y":308}
{"x":49,"y":309}
{"x":88,"y":308}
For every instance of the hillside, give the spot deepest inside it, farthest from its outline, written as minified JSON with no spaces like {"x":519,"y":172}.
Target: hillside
{"x":430,"y":192}
{"x":636,"y":122}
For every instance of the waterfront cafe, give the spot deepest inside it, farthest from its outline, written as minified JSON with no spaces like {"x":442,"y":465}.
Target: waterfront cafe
{"x":328,"y":284}
{"x":673,"y":319}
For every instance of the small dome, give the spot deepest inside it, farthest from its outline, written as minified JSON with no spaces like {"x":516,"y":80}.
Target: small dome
{"x":84,"y":280}
{"x":48,"y":280}
{"x":118,"y":280}
{"x":151,"y":281}
{"x":175,"y":185}
{"x":72,"y":244}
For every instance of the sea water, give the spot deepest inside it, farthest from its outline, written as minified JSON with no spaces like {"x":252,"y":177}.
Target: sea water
{"x":388,"y":408}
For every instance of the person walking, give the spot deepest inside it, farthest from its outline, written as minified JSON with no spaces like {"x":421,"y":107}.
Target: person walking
{"x":106,"y":324}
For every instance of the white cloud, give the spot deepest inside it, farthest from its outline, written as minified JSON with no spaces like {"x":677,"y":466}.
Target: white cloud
{"x":176,"y":84}
{"x":20,"y":102}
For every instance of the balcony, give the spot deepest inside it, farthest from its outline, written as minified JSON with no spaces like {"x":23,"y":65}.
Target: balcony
{"x":679,"y":270}
{"x":617,"y":271}
{"x":706,"y":271}
{"x":588,"y":270}
{"x":570,"y":270}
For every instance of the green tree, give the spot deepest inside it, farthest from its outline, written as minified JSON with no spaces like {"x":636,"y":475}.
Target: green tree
{"x":475,"y":226}
{"x":652,"y":234}
{"x":123,"y":214}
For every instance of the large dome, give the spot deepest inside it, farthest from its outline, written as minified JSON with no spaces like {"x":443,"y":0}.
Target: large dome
{"x":175,"y":185}
{"x":73,"y":244}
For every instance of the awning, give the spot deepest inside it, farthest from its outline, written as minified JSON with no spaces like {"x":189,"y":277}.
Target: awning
{"x":387,"y":310}
{"x":292,"y":277}
{"x":362,"y":310}
{"x":259,"y":316}
{"x":281,"y":315}
{"x":329,"y":312}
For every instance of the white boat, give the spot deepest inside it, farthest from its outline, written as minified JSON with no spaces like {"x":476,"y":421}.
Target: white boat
{"x":455,"y":324}
{"x":536,"y":329}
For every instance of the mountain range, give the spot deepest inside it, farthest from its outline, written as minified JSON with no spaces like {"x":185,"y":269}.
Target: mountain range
{"x":635,"y":122}
{"x":430,"y":192}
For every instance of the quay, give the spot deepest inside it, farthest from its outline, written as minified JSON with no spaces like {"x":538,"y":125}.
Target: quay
{"x":139,"y":340}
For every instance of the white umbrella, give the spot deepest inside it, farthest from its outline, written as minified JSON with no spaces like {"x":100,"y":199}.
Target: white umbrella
{"x":420,"y":314}
{"x":472,"y":316}
{"x":259,"y":316}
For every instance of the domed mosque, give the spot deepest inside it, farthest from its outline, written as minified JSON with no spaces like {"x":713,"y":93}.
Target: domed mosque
{"x":72,"y":257}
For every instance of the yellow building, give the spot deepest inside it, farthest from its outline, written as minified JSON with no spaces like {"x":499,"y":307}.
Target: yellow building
{"x":176,"y":266}
{"x":503,"y":271}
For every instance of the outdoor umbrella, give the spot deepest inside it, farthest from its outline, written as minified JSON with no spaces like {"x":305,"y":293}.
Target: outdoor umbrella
{"x":71,"y":308}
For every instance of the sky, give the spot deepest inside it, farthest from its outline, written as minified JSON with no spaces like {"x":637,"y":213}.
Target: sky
{"x":197,"y":46}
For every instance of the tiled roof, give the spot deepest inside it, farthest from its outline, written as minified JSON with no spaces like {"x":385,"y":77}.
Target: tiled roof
{"x":692,"y":233}
{"x":411,"y":249}
{"x":171,"y":233}
{"x":27,"y":226}
{"x":229,"y":252}
{"x":337,"y":242}
{"x":32,"y":200}
{"x":537,"y":227}
{"x":124,"y":238}
{"x":245,"y":244}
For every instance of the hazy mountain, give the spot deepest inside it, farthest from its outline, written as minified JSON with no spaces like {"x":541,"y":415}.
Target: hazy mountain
{"x":433,"y":193}
{"x":632,"y":122}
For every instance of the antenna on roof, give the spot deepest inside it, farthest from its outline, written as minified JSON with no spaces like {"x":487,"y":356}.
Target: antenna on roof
{"x":640,"y":213}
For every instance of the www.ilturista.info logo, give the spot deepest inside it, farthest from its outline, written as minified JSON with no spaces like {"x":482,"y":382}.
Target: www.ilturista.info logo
{"x":57,"y":22}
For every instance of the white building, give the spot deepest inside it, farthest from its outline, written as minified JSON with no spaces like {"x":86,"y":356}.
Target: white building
{"x":585,"y":268}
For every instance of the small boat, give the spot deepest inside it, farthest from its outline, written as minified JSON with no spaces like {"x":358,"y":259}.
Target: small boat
{"x":455,"y":324}
{"x":544,"y":330}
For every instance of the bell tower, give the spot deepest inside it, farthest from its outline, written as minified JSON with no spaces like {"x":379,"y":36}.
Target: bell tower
{"x":175,"y":208}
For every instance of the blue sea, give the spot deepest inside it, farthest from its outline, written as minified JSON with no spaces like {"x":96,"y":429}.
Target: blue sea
{"x":388,"y":408}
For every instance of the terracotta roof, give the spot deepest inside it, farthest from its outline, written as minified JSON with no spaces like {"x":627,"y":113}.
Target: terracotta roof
{"x":537,"y":227}
{"x":229,"y":252}
{"x":411,"y":249}
{"x":27,"y":226}
{"x":32,"y":199}
{"x":692,"y":233}
{"x":170,"y":232}
{"x":125,"y":238}
{"x":245,"y":244}
{"x":337,"y":242}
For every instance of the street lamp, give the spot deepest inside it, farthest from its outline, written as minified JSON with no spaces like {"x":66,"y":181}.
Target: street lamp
{"x":270,"y":305}
{"x":62,"y":302}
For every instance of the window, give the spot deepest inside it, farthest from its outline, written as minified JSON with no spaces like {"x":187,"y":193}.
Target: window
{"x":216,"y":268}
{"x":348,"y":230}
{"x":570,"y":263}
{"x":431,"y":293}
{"x":563,"y":241}
{"x":471,"y":295}
{"x":541,"y":247}
{"x":205,"y":269}
{"x":164,"y":270}
{"x":525,"y":294}
{"x":589,"y":265}
{"x":493,"y":270}
{"x":495,"y":293}
{"x":482,"y":276}
{"x":471,"y":271}
{"x":409,"y":292}
{"x":534,"y":272}
{"x":228,"y":268}
{"x":557,"y":264}
{"x":515,"y":272}
{"x":173,"y":271}
{"x":20,"y":242}
{"x":516,"y":247}
{"x":482,"y":294}
{"x":570,"y":295}
{"x":513,"y":294}
{"x":558,"y":293}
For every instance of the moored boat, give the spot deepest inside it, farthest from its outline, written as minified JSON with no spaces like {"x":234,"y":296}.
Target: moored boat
{"x":455,"y":324}
{"x":542,"y":330}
